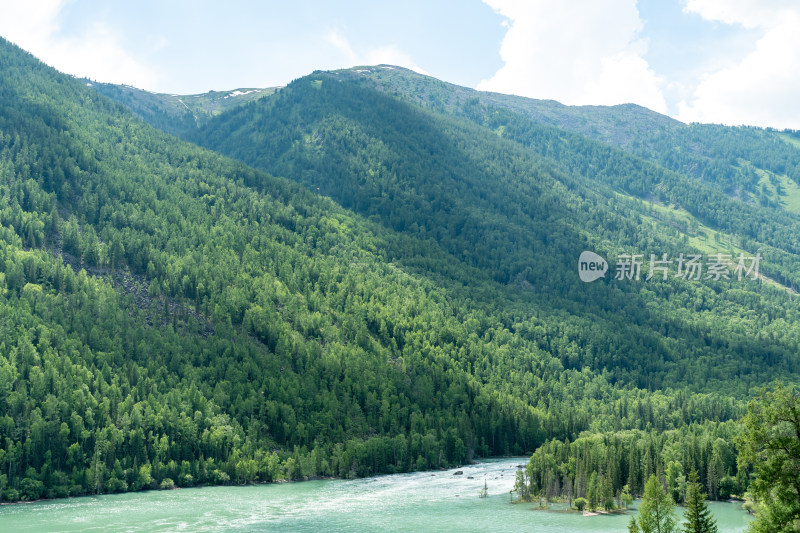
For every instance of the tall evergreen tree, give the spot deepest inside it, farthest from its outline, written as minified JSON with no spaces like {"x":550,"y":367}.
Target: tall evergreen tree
{"x":698,"y":517}
{"x":771,"y":443}
{"x":606,"y":492}
{"x":593,"y":492}
{"x":655,"y":512}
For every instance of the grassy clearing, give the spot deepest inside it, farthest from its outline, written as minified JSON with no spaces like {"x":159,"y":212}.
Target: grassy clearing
{"x":789,"y":139}
{"x":700,"y":236}
{"x":789,"y":196}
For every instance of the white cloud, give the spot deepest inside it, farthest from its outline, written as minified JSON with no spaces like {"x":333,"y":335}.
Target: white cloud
{"x":762,"y":88}
{"x":29,"y":24}
{"x":96,"y":52}
{"x":578,"y":52}
{"x":747,"y":13}
{"x":389,"y":54}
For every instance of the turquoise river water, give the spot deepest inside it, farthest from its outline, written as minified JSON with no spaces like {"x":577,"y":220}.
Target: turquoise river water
{"x":424,"y":501}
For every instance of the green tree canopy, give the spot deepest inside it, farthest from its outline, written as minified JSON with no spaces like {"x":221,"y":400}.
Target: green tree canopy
{"x":655,"y":512}
{"x":770,"y":443}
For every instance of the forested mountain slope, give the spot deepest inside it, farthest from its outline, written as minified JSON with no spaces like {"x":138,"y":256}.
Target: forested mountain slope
{"x":171,"y":316}
{"x":231,"y":325}
{"x":750,"y":165}
{"x":521,"y":213}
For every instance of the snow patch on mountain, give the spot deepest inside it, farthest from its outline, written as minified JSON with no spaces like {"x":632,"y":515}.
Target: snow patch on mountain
{"x":241,"y":93}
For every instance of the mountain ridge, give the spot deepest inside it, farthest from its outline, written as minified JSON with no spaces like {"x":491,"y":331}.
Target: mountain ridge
{"x":580,"y":118}
{"x":175,"y":113}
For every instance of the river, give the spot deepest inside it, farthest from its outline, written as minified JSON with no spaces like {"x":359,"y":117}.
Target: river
{"x":423,"y":501}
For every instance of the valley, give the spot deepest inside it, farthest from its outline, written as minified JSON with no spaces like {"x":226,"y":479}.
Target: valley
{"x":370,"y":271}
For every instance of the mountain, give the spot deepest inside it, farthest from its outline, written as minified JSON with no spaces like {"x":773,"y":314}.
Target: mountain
{"x":521,"y":212}
{"x":176,"y":114}
{"x":518,"y":199}
{"x":615,"y":124}
{"x":174,"y":317}
{"x":403,"y":297}
{"x":746,"y":163}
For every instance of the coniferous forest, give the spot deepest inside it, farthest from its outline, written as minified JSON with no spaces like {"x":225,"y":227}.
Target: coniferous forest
{"x":372,"y":271}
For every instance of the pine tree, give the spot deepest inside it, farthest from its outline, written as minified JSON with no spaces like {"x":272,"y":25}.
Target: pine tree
{"x":655,"y":512}
{"x":711,"y":480}
{"x":580,"y":482}
{"x":698,"y":517}
{"x":634,"y":471}
{"x":606,"y":493}
{"x":592,"y":492}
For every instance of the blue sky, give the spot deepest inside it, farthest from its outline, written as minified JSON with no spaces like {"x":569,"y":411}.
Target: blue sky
{"x":728,"y":61}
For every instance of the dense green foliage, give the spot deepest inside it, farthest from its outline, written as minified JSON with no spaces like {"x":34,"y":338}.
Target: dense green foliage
{"x":655,"y":511}
{"x":727,"y":158}
{"x":522,"y":219}
{"x":719,"y":172}
{"x":231,"y":326}
{"x":406,"y":299}
{"x":770,"y":444}
{"x":627,"y":459}
{"x":753,"y":226}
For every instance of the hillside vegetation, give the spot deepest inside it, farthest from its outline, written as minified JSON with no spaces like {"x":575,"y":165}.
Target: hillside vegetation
{"x":403,"y":297}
